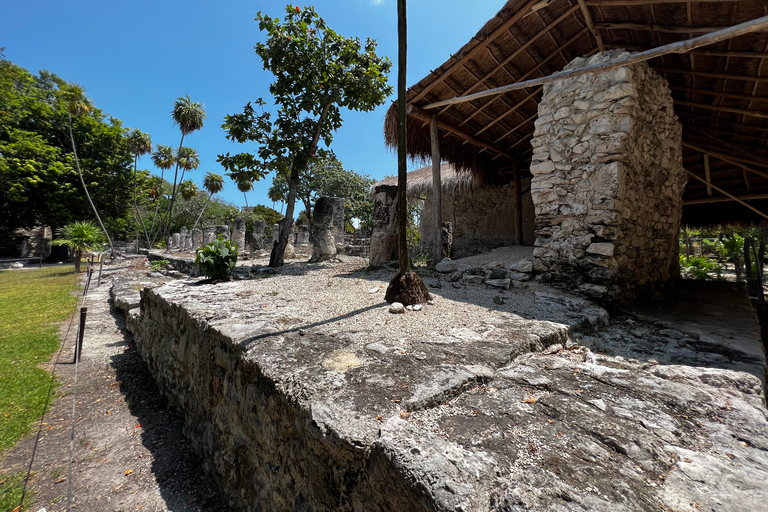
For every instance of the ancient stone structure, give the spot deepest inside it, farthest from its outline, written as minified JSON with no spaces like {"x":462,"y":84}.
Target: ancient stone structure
{"x":338,"y":223}
{"x":323,"y":230}
{"x":258,"y":242}
{"x":238,"y":233}
{"x":290,"y":251}
{"x":169,"y":243}
{"x":197,"y":239}
{"x":209,"y":234}
{"x":176,"y":241}
{"x":188,"y":243}
{"x":607,"y":181}
{"x":384,"y":235}
{"x":302,"y":237}
{"x":483,"y":218}
{"x":27,"y":243}
{"x":222,"y":230}
{"x":183,"y":232}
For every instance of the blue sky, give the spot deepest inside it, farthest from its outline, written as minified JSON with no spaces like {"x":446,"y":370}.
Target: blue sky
{"x":135,"y":58}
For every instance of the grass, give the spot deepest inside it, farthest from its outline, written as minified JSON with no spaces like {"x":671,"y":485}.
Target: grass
{"x":11,"y":490}
{"x":32,"y":303}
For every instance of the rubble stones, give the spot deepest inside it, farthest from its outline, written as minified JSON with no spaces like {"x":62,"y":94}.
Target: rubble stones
{"x":396,"y":307}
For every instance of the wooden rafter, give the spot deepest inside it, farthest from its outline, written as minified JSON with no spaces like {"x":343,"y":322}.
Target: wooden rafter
{"x":707,"y":200}
{"x":627,"y":3}
{"x":733,"y":96}
{"x":591,"y":25}
{"x":666,"y":29}
{"x":733,"y":197}
{"x":513,"y":130}
{"x":736,"y":126}
{"x":677,"y":47}
{"x":708,"y":174}
{"x":739,"y":149}
{"x":726,"y":158}
{"x":726,"y":76}
{"x":511,"y":110}
{"x":731,"y":53}
{"x":524,"y":10}
{"x":718,"y":108}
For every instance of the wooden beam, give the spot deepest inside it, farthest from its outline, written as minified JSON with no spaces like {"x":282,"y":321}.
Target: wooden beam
{"x":622,"y":3}
{"x":708,"y":174}
{"x":735,"y":126}
{"x":730,"y":95}
{"x":727,"y":158}
{"x":731,"y":53}
{"x":708,"y":200}
{"x":746,"y":179}
{"x":665,"y":29}
{"x":419,"y":114}
{"x":677,"y":47}
{"x":523,"y":123}
{"x":733,"y":198}
{"x":738,"y":148}
{"x":591,"y":25}
{"x":717,"y":108}
{"x":523,"y":11}
{"x":437,"y":190}
{"x":706,"y":74}
{"x":511,"y":110}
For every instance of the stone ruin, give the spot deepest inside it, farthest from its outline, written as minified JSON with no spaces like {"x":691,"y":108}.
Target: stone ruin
{"x":607,"y":184}
{"x":323,"y":235}
{"x":238,"y":234}
{"x":290,"y":252}
{"x":258,"y":241}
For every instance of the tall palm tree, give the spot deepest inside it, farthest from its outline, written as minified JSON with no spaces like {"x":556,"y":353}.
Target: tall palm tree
{"x":139,"y":143}
{"x":187,"y":189}
{"x":163,"y":158}
{"x":80,"y":236}
{"x":213,"y":183}
{"x":77,"y":103}
{"x":245,"y":186}
{"x":189,"y":115}
{"x":188,"y":160}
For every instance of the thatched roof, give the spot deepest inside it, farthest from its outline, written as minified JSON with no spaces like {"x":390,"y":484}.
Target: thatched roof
{"x":720,"y":91}
{"x":420,"y":181}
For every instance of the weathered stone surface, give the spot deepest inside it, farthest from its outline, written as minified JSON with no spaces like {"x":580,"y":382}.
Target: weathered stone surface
{"x":396,"y":307}
{"x":238,"y":233}
{"x":525,"y":266}
{"x":384,"y":234}
{"x":498,"y":283}
{"x":259,"y":242}
{"x":176,"y":241}
{"x":608,"y":181}
{"x":197,"y":239}
{"x":222,"y":230}
{"x":209,"y":234}
{"x":323,"y":238}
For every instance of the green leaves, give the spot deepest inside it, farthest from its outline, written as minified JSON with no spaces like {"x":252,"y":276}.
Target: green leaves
{"x":218,"y":258}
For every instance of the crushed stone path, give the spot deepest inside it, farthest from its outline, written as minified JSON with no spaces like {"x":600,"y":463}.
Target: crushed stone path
{"x":129,"y":449}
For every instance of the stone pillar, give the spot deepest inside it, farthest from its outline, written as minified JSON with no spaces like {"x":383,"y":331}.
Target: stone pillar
{"x":384,"y":235}
{"x":197,"y":239}
{"x":169,"y":244}
{"x":607,"y":181}
{"x":259,"y":239}
{"x":188,"y":243}
{"x":337,"y":225}
{"x":222,"y":230}
{"x":323,"y":236}
{"x":176,"y":239}
{"x":302,"y":237}
{"x":238,"y":233}
{"x":209,"y":234}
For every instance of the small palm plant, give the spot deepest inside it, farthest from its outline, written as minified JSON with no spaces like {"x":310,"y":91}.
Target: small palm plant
{"x":213,"y":183}
{"x":80,"y":236}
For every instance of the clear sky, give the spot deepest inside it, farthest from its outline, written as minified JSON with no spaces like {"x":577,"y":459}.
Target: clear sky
{"x":134,"y":58}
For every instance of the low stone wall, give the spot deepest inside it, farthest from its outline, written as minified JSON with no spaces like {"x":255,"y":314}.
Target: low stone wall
{"x":182,"y":264}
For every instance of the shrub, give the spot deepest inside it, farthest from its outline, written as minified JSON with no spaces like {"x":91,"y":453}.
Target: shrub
{"x":159,"y":265}
{"x":218,"y":258}
{"x":700,"y":267}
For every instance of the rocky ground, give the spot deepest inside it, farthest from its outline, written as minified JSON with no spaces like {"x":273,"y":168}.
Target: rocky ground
{"x":572,"y":428}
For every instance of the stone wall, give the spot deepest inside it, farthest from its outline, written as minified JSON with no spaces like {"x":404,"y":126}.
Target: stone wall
{"x":607,"y":181}
{"x":482,"y":219}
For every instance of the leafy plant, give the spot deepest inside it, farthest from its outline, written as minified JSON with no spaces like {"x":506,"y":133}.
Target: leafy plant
{"x":700,"y":267}
{"x":159,"y":265}
{"x":218,"y":258}
{"x":80,"y":236}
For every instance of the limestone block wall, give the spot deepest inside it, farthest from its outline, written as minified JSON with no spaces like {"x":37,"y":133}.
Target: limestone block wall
{"x":482,"y":218}
{"x":607,"y":181}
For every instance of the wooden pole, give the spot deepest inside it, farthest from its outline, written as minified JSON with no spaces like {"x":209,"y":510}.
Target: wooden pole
{"x":729,"y":195}
{"x":437,"y":190}
{"x":402,"y":163}
{"x":677,"y":47}
{"x":518,"y":207}
{"x":708,"y":174}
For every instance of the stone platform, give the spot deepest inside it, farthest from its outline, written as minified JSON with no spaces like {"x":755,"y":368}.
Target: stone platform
{"x":297,"y":404}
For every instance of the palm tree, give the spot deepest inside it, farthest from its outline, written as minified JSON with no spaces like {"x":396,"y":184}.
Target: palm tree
{"x":187,"y":189}
{"x":245,"y":186}
{"x":80,"y":236}
{"x":77,"y":103}
{"x":189,"y":115}
{"x":163,"y":158}
{"x":188,"y":160}
{"x":213,"y":183}
{"x":139,"y":143}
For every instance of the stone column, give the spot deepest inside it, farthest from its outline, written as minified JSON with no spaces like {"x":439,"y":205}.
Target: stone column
{"x":209,"y":234}
{"x":169,"y":244}
{"x":176,"y":239}
{"x":188,"y":243}
{"x":384,"y":235}
{"x":222,"y":230}
{"x":607,"y":181}
{"x":238,"y":233}
{"x":302,"y":237}
{"x":197,"y":239}
{"x":338,"y":223}
{"x":259,"y":239}
{"x":323,"y":240}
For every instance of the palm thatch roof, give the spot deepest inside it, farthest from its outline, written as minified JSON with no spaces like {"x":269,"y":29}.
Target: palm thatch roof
{"x":420,"y":181}
{"x":720,"y":91}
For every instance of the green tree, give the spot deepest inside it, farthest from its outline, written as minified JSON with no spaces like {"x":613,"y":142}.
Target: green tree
{"x":317,"y":73}
{"x":187,"y":189}
{"x":163,"y":158}
{"x":189,"y":116}
{"x":244,"y":186}
{"x":80,"y":236}
{"x":213,"y":184}
{"x":77,"y":103}
{"x":139,"y":143}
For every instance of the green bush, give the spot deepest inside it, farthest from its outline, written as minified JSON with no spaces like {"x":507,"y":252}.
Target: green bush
{"x":700,"y":267}
{"x":218,"y":258}
{"x":159,"y":265}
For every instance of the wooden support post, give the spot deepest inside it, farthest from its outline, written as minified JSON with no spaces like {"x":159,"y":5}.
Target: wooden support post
{"x":708,"y":175}
{"x":437,"y":190}
{"x":518,"y":207}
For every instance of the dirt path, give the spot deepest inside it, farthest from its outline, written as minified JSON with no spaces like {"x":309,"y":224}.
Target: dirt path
{"x":129,"y":449}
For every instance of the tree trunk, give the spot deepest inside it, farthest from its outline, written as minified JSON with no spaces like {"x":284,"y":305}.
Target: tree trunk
{"x":173,"y":194}
{"x":135,"y":203}
{"x":87,"y":195}
{"x":203,"y":210}
{"x":157,"y":209}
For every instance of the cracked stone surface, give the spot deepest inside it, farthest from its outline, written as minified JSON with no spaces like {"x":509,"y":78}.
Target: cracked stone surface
{"x":505,"y":413}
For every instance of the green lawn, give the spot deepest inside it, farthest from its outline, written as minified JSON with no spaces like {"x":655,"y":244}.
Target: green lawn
{"x":32,"y":303}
